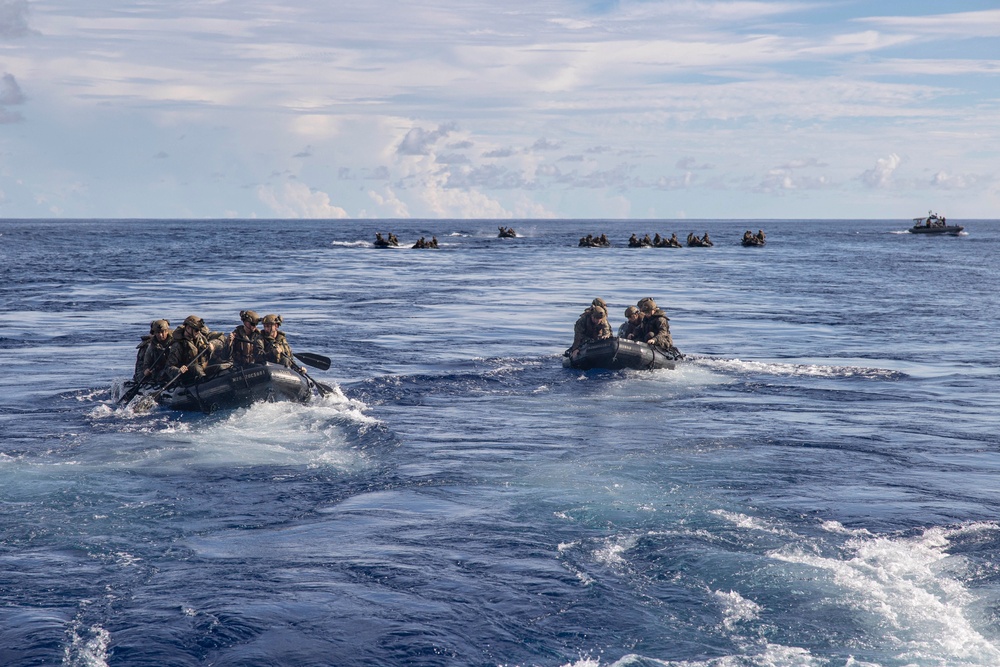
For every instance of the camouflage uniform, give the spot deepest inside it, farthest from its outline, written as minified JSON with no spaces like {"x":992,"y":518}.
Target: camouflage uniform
{"x":630,"y":330}
{"x":246,"y":348}
{"x":585,"y":330}
{"x":276,"y":348}
{"x":154,"y":354}
{"x":183,"y":350}
{"x":655,"y":327}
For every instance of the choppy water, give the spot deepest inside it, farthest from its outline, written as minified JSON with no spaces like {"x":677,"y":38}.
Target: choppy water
{"x":817,"y":485}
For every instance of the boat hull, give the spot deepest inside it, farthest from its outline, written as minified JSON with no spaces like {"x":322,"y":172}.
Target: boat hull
{"x":953,"y":230}
{"x":239,"y":387}
{"x":619,"y":354}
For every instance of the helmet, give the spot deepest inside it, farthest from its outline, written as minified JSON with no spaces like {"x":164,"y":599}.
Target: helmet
{"x":646,"y":305}
{"x":272,"y":319}
{"x":250,"y":316}
{"x":157,"y":326}
{"x":601,"y":303}
{"x":630,"y":311}
{"x":194,"y":321}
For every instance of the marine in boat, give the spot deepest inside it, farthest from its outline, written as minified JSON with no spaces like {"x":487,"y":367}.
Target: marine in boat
{"x":255,"y":366}
{"x":591,"y":241}
{"x":643,"y":342}
{"x":506,"y":232}
{"x":751,"y":240}
{"x":392,"y":241}
{"x":934,"y":224}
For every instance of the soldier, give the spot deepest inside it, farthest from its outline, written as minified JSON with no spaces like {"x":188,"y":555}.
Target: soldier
{"x":246,"y":345}
{"x":630,"y":327}
{"x":190,"y":340}
{"x":276,"y":347}
{"x":151,"y":359}
{"x":591,"y":325}
{"x":655,"y":327}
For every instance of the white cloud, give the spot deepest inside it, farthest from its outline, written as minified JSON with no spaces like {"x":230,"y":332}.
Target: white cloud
{"x":984,"y":23}
{"x":880,"y":176}
{"x":452,"y":125}
{"x":945,"y":181}
{"x":389,"y":205}
{"x":297,"y":200}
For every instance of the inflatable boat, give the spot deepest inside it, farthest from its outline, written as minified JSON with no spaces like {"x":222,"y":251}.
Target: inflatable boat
{"x":238,"y":387}
{"x":617,"y":354}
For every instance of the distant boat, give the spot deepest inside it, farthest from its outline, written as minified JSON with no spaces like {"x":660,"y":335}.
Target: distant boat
{"x":934,"y":224}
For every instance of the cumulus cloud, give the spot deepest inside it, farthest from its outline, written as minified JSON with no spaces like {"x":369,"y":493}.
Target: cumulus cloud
{"x":945,"y":181}
{"x":419,"y":141}
{"x":880,"y":176}
{"x":14,"y":18}
{"x":297,"y":200}
{"x":389,"y":204}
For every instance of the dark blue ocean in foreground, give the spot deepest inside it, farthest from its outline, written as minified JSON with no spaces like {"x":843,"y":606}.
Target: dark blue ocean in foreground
{"x":816,"y":485}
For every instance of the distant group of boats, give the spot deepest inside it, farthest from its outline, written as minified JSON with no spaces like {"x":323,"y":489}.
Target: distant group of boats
{"x":932,"y":223}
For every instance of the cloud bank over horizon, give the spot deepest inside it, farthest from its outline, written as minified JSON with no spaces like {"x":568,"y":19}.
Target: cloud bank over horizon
{"x":469,"y":109}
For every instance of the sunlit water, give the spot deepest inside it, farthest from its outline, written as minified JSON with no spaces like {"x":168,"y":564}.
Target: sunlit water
{"x":815,"y":485}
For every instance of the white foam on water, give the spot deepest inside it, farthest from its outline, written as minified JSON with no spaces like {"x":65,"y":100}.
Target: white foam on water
{"x":772,"y":655}
{"x":909,"y":588}
{"x":736,"y":609}
{"x":320,"y":433}
{"x":753,"y":523}
{"x":352,"y":244}
{"x":613,"y":551}
{"x":739,"y":366}
{"x":86,"y":647}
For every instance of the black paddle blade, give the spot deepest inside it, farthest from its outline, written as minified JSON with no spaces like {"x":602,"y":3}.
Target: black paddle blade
{"x":314,"y":360}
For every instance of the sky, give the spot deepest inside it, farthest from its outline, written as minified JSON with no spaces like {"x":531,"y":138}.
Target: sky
{"x":499,"y":109}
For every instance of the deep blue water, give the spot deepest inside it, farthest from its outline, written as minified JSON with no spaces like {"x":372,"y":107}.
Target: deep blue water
{"x":816,"y":485}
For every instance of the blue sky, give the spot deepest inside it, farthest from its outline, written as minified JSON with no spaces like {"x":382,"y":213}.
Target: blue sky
{"x":485,"y":109}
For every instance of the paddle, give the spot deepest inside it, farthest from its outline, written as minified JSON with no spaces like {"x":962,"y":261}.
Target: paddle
{"x":323,"y":389}
{"x":131,"y":393}
{"x":314,"y":360}
{"x":152,"y":397}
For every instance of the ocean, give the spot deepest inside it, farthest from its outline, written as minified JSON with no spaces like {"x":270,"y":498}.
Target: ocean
{"x":813,"y":486}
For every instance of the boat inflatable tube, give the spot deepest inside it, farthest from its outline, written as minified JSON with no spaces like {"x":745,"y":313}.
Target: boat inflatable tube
{"x":617,"y":354}
{"x":239,"y":387}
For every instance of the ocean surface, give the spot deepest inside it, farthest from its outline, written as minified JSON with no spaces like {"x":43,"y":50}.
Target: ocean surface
{"x":817,"y":484}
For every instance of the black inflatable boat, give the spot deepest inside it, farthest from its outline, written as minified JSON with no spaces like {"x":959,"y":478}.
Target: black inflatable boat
{"x":238,"y":387}
{"x":617,"y":354}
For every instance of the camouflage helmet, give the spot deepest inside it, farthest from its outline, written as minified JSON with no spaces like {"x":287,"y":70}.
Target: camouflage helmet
{"x":630,"y":311}
{"x":646,"y":305}
{"x":250,"y":316}
{"x":600,"y":303}
{"x":194,"y":321}
{"x":156,"y":326}
{"x":272,"y":319}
